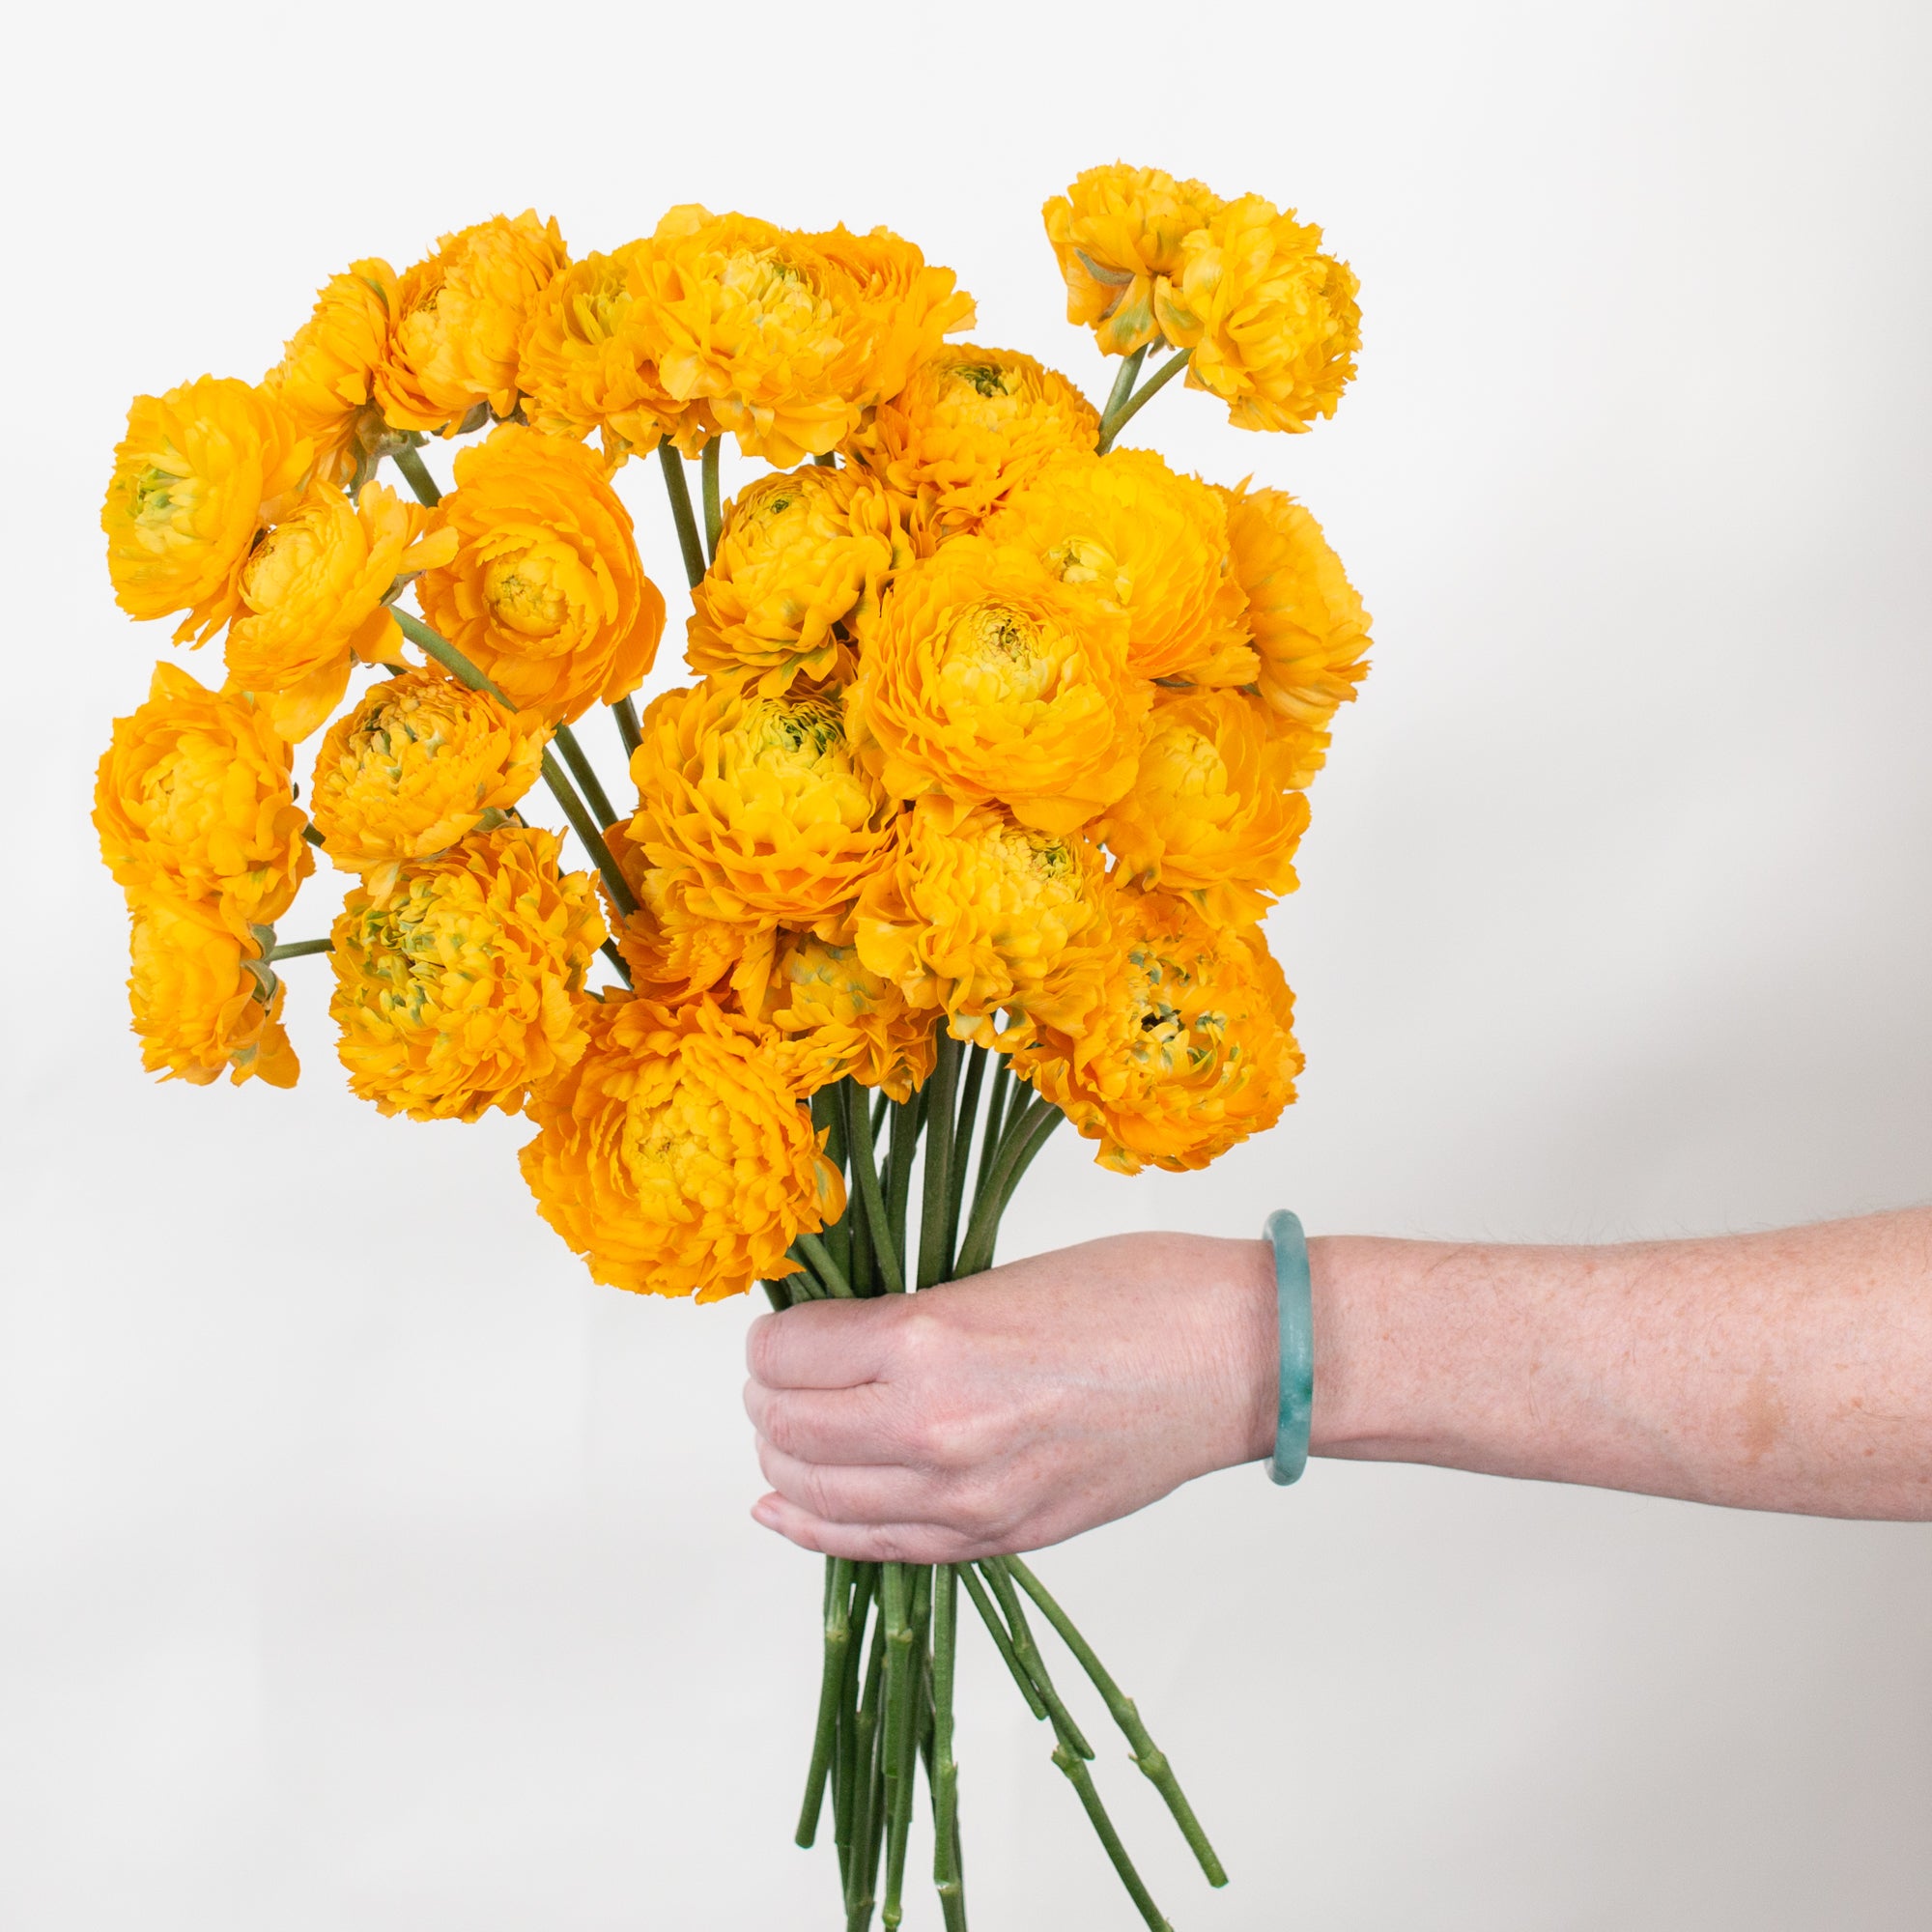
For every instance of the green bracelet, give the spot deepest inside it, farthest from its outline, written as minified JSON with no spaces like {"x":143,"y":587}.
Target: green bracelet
{"x":1293,"y":1300}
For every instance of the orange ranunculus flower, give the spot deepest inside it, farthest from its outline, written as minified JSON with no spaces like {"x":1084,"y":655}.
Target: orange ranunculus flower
{"x":546,"y":594}
{"x":803,"y":559}
{"x":419,"y":763}
{"x":837,"y":1017}
{"x":204,"y":1001}
{"x":584,"y":363}
{"x":983,"y":915}
{"x":1116,"y":233}
{"x":905,"y":305}
{"x":755,"y":806}
{"x":200,"y":471}
{"x":674,"y":1155}
{"x":1306,"y":618}
{"x":314,"y":599}
{"x":459,"y":990}
{"x":1209,"y":816}
{"x":459,"y":316}
{"x":193,"y":799}
{"x":988,"y":679}
{"x":970,"y":426}
{"x":755,"y":322}
{"x":326,"y":379}
{"x":1273,"y":322}
{"x":1189,"y":1047}
{"x":1155,"y":543}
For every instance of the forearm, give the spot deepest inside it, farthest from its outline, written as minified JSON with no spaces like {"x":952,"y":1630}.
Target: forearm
{"x":1790,"y":1371}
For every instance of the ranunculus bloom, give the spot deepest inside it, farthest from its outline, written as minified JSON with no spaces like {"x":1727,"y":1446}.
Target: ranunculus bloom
{"x":803,"y":559}
{"x":988,"y":679}
{"x":546,"y":594}
{"x":1188,"y":1049}
{"x":313,"y":597}
{"x":674,"y":1155}
{"x":673,"y":954}
{"x":419,"y":762}
{"x":193,"y":798}
{"x":986,"y":915}
{"x":326,"y":379}
{"x":970,"y":427}
{"x":459,"y":989}
{"x":1116,"y":233}
{"x":756,"y":806}
{"x":204,"y":1003}
{"x":837,"y":1017}
{"x":459,"y":316}
{"x":1154,"y":543}
{"x":1273,"y":322}
{"x":199,"y":471}
{"x":1209,"y":815}
{"x":904,"y":305}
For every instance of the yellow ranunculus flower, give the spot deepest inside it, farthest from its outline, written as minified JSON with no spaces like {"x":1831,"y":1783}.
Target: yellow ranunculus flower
{"x":755,"y":806}
{"x":905,"y":305}
{"x":1189,"y":1048}
{"x":459,"y":316}
{"x":983,"y":915}
{"x":313,"y":599}
{"x":459,"y":989}
{"x":199,"y":471}
{"x":1306,"y":616}
{"x":1209,"y":816}
{"x":546,"y":594}
{"x":193,"y":799}
{"x":204,"y":1003}
{"x":970,"y":427}
{"x":1155,"y":543}
{"x":674,"y":1156}
{"x":1273,"y":322}
{"x":673,"y":954}
{"x":418,"y":763}
{"x":803,"y":559}
{"x":988,"y":679}
{"x":326,"y":379}
{"x":586,"y":364}
{"x":835,"y":1016}
{"x":1116,"y":233}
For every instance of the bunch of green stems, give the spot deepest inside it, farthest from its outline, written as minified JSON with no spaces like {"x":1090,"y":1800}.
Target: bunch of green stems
{"x":885,"y":1703}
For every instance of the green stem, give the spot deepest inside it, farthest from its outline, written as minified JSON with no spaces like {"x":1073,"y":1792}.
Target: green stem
{"x":1002,"y":1640}
{"x":824,"y":1266}
{"x":297,"y":948}
{"x":894,"y":1591}
{"x":585,"y":775}
{"x":1030,"y":1658}
{"x":828,"y":1116}
{"x":903,"y":1744}
{"x":1081,"y":1779}
{"x":832,"y":1679}
{"x":845,"y":1788}
{"x":1152,"y":1760}
{"x":416,"y":474}
{"x":1117,"y":419}
{"x":826,"y":460}
{"x":679,"y":493}
{"x":962,"y":1152}
{"x":975,"y":1252}
{"x":1035,"y":1138}
{"x":625,"y":712}
{"x":714,"y":516}
{"x":313,"y":836}
{"x":622,"y":965}
{"x":944,"y":1772}
{"x":1123,"y":381}
{"x":1004,"y":1086}
{"x":936,"y":1196}
{"x":867,"y":1821}
{"x":871,"y":1198}
{"x":908,"y":1119}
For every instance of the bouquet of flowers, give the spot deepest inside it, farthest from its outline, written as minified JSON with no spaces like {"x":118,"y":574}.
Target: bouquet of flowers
{"x":997,"y":753}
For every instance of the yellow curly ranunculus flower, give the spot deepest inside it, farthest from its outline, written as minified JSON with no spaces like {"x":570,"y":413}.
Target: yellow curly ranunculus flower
{"x":756,"y":806}
{"x":314,"y":599}
{"x":984,"y":915}
{"x":1155,"y":543}
{"x":905,"y":305}
{"x":968,"y":428}
{"x":988,"y":679}
{"x":674,"y":1156}
{"x":459,"y":990}
{"x":193,"y":798}
{"x":416,"y":765}
{"x":1209,"y":816}
{"x":803,"y":559}
{"x":459,"y":317}
{"x":1273,"y":322}
{"x":546,"y":594}
{"x":204,"y":1001}
{"x":1306,"y":616}
{"x":199,"y":471}
{"x":837,"y":1017}
{"x":1189,"y":1047}
{"x":326,"y":379}
{"x":1116,"y":233}
{"x":586,"y":364}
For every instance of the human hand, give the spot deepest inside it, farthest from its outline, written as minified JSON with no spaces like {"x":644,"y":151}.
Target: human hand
{"x":1017,"y":1408}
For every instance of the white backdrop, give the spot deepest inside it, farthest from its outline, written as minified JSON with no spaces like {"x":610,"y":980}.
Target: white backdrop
{"x":361,"y":1564}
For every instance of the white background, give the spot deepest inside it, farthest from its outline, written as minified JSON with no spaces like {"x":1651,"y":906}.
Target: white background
{"x":361,"y":1564}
